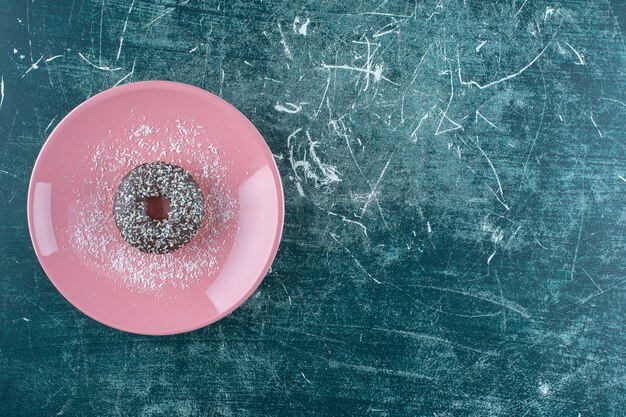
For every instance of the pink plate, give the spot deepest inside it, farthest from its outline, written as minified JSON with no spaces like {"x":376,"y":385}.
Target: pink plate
{"x":70,"y":214}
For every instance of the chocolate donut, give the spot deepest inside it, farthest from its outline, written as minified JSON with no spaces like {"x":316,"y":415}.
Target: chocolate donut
{"x":158,"y":207}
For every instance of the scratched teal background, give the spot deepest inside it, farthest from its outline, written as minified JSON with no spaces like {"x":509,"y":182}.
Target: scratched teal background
{"x":455,"y":180}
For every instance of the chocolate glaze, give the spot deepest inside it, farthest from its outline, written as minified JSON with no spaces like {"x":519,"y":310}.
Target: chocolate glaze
{"x":130,"y":210}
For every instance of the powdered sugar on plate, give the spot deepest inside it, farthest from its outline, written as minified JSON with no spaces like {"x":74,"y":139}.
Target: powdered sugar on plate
{"x":92,"y":232}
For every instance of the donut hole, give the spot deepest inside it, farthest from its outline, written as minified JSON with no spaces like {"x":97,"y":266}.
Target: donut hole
{"x":158,"y":208}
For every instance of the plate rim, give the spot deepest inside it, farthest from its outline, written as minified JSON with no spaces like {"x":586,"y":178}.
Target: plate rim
{"x":125,"y":88}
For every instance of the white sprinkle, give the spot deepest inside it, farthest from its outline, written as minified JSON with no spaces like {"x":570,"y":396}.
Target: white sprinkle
{"x":92,"y":231}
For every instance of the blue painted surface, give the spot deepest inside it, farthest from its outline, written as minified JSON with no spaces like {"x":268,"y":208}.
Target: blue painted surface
{"x":455,"y":181}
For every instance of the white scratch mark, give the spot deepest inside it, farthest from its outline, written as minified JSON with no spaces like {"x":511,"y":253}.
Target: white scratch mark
{"x":1,"y":91}
{"x":491,"y":257}
{"x":335,"y":237}
{"x":299,"y":188}
{"x":429,"y":228}
{"x":581,"y":59}
{"x":376,"y":72}
{"x":379,"y":34}
{"x":444,"y":114}
{"x":580,"y":231}
{"x":101,"y":20}
{"x":385,"y":31}
{"x":49,"y":124}
{"x":289,"y":146}
{"x":290,"y":108}
{"x":130,"y":74}
{"x":480,"y":45}
{"x":330,"y":173}
{"x":325,"y":92}
{"x":591,"y":279}
{"x":368,"y":69}
{"x":479,"y":114}
{"x":544,"y":389}
{"x":283,"y":42}
{"x":593,"y":296}
{"x":543,"y":113}
{"x":384,"y":14}
{"x":513,"y":235}
{"x":435,"y":12}
{"x":25,"y":319}
{"x":222,"y":76}
{"x":303,"y":26}
{"x":451,"y":129}
{"x":345,"y":219}
{"x":413,"y":78}
{"x":10,"y":174}
{"x":376,"y":371}
{"x":52,"y":58}
{"x":493,"y":169}
{"x":490,"y":298}
{"x":64,"y":407}
{"x":305,"y":378}
{"x":335,"y":124}
{"x":288,"y":296}
{"x":613,"y":100}
{"x":432,"y":339}
{"x":539,"y":243}
{"x":621,"y":178}
{"x":375,"y":187}
{"x":508,"y":77}
{"x":247,"y":63}
{"x":496,"y":233}
{"x":164,"y":14}
{"x":119,"y":50}
{"x":520,"y":9}
{"x":100,"y":67}
{"x":419,"y":124}
{"x":595,"y":125}
{"x":501,"y":201}
{"x":34,"y":66}
{"x":549,"y":12}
